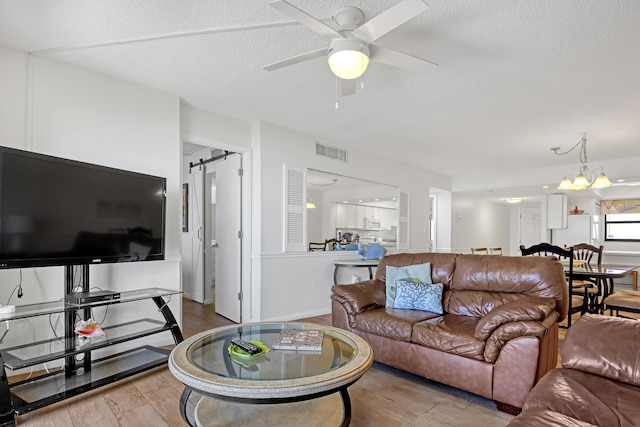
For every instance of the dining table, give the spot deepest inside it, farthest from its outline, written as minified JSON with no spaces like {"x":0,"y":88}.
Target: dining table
{"x":602,"y":275}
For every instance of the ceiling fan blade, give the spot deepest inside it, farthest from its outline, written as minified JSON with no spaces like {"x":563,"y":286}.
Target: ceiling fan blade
{"x":305,"y":19}
{"x":389,"y":20}
{"x":296,"y":59}
{"x":400,"y":59}
{"x":347,"y":87}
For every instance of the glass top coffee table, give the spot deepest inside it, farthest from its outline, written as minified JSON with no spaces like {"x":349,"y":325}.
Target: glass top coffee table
{"x":273,"y":385}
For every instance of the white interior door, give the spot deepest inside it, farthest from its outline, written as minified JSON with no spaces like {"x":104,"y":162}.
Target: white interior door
{"x":228,"y":226}
{"x":196,"y":233}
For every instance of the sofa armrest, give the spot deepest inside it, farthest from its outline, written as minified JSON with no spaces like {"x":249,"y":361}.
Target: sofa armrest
{"x":523,"y":309}
{"x":604,"y":346}
{"x":360,"y":296}
{"x":508,"y":331}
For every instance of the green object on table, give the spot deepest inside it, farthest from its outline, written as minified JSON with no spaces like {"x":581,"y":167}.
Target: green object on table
{"x":236,"y":351}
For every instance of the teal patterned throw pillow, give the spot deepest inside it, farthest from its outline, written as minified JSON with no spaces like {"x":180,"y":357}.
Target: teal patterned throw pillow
{"x":414,"y":295}
{"x":422,"y":272}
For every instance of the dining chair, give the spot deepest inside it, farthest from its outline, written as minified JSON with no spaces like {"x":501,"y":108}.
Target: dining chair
{"x":577,"y":303}
{"x":480,"y":251}
{"x":495,"y":251}
{"x":317,"y":246}
{"x":623,"y":300}
{"x":330,"y":244}
{"x":590,"y":254}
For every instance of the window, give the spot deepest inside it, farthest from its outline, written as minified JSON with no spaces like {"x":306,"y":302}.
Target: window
{"x":622,"y":227}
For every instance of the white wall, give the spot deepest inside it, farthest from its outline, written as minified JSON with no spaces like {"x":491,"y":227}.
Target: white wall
{"x":479,"y":223}
{"x":90,"y":117}
{"x":443,"y":219}
{"x":298,"y":285}
{"x":73,"y":113}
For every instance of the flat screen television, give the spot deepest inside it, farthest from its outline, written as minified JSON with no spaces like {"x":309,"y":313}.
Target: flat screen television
{"x":55,"y":211}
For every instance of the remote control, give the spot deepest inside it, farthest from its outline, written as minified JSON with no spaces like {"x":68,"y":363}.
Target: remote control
{"x":246,"y":346}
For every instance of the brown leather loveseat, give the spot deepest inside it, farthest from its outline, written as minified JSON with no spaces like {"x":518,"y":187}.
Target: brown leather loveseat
{"x":498,"y":333}
{"x":599,"y":382}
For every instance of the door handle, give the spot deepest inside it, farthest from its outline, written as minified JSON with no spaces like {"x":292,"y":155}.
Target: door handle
{"x":215,"y":245}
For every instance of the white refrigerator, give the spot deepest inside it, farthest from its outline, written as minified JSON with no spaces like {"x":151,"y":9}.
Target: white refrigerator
{"x":580,"y":229}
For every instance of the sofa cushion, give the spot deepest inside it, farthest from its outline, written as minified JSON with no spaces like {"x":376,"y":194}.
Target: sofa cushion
{"x":450,"y":333}
{"x":481,"y":283}
{"x":586,"y":397}
{"x":390,"y":322}
{"x":414,"y":295}
{"x":475,"y":303}
{"x":422,"y":272}
{"x":615,"y":354}
{"x":546,"y":418}
{"x":442,"y":265}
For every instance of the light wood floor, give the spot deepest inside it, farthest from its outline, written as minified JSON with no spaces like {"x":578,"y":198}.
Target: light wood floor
{"x":382,"y":397}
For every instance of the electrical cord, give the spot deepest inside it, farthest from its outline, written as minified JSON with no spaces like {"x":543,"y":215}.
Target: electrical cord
{"x":17,"y":288}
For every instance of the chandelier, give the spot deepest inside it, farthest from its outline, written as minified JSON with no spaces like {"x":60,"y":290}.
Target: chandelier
{"x":584,"y":177}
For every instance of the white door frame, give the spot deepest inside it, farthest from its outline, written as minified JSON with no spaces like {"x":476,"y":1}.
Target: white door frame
{"x":251,"y":299}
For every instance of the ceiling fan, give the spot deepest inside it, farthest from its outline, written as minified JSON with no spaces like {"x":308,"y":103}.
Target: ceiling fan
{"x":352,"y":43}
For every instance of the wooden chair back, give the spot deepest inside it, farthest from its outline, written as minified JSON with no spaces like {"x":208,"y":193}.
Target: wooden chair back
{"x":577,"y":302}
{"x":586,"y":252}
{"x":317,"y":246}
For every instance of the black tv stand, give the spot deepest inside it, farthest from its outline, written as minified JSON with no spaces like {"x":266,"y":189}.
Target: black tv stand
{"x":75,"y":377}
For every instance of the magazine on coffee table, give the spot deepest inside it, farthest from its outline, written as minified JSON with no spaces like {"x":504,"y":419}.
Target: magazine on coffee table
{"x":299,"y":339}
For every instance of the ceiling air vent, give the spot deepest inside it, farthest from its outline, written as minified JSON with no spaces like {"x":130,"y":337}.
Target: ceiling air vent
{"x":334,"y":153}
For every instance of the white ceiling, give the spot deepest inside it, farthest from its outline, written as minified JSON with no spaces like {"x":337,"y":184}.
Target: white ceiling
{"x":516,"y":77}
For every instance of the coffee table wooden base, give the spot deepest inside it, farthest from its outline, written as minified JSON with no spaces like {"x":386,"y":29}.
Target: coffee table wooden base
{"x":320,"y":412}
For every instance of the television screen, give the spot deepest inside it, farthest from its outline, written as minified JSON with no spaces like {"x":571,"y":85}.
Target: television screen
{"x":55,"y":211}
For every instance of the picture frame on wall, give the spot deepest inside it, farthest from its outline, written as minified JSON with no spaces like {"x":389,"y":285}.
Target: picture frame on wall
{"x":185,"y":208}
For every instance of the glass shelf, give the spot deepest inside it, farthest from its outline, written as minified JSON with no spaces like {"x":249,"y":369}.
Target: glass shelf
{"x":44,"y":391}
{"x":55,"y":385}
{"x":23,"y":356}
{"x":40,"y":309}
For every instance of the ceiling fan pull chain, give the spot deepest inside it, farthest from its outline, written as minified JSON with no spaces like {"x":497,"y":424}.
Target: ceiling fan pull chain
{"x":337,"y":92}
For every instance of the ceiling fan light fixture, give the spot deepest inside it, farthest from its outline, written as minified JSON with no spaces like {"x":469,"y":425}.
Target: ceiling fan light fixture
{"x":348,"y":58}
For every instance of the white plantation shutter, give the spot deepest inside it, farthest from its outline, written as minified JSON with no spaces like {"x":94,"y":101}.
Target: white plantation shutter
{"x":295,"y":195}
{"x":403,"y":221}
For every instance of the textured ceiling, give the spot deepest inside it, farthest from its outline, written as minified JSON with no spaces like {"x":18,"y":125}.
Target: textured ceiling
{"x":515,"y":77}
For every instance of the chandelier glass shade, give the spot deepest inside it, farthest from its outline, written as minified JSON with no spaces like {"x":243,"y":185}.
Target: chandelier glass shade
{"x":348,"y":58}
{"x":584,"y":177}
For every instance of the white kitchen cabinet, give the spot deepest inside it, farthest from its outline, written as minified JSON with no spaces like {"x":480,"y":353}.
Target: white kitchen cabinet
{"x":351,"y":220}
{"x":362,"y":212}
{"x":556,"y":211}
{"x":341,"y":215}
{"x":346,"y":216}
{"x":385,"y":218}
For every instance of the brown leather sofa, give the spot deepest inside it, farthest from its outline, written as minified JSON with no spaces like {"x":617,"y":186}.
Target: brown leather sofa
{"x":498,"y":334}
{"x":599,"y":382}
